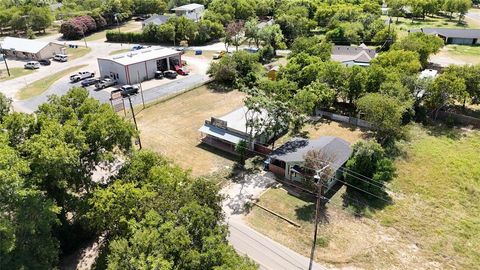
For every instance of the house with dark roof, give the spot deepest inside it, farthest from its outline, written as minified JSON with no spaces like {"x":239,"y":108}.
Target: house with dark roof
{"x":288,"y":161}
{"x":453,"y":36}
{"x":353,"y":56}
{"x":156,"y":20}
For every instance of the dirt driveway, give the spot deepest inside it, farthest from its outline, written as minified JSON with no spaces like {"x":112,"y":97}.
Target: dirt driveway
{"x":171,"y":128}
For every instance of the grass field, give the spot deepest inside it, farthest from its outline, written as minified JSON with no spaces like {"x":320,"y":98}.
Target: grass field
{"x":77,"y":52}
{"x":126,"y":27}
{"x":171,"y":128}
{"x":464,"y":50}
{"x":119,"y":51}
{"x":433,"y":224}
{"x":14,"y":73}
{"x":40,"y":86}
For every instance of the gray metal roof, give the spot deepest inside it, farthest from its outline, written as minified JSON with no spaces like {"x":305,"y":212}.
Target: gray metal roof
{"x":450,"y":32}
{"x":351,"y":53}
{"x":188,"y":7}
{"x":24,"y":45}
{"x":337,"y":149}
{"x":221,"y":134}
{"x":157,"y":19}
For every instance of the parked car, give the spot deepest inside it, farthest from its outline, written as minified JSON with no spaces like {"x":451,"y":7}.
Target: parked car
{"x":81,"y":76}
{"x":32,"y":65}
{"x":182,"y":70}
{"x":137,"y":47}
{"x":107,"y":82}
{"x":60,"y":57}
{"x":218,"y":55}
{"x":44,"y":62}
{"x":158,"y":74}
{"x":128,"y":90}
{"x":89,"y":81}
{"x":170,"y":74}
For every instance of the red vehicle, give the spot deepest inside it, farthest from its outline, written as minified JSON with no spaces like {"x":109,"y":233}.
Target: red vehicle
{"x":182,"y":70}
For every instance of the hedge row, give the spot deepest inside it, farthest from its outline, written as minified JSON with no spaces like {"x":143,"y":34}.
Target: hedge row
{"x":125,"y":37}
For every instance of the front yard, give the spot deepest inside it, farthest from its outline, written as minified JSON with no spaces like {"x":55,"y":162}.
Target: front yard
{"x":171,"y":128}
{"x":433,"y":224}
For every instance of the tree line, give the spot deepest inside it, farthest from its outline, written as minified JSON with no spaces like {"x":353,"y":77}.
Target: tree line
{"x":154,"y":214}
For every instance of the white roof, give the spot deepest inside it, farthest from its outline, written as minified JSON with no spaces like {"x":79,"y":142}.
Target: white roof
{"x":188,"y":7}
{"x":142,"y":55}
{"x":23,"y":45}
{"x":236,"y":119}
{"x":428,"y":73}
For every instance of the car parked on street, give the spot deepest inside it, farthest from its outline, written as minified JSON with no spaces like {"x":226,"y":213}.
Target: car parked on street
{"x":90,"y":81}
{"x":107,"y":82}
{"x":81,"y":76}
{"x":32,"y":65}
{"x":128,"y":90}
{"x":60,"y":57}
{"x":170,"y":74}
{"x":44,"y":62}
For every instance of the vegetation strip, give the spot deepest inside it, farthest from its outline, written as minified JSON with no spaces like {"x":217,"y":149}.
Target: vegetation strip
{"x":38,"y":87}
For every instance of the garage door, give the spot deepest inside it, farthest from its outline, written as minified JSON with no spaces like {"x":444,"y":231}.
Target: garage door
{"x":463,"y":41}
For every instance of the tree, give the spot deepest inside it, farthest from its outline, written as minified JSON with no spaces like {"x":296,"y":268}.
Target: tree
{"x":169,"y":220}
{"x":313,"y":95}
{"x":40,"y":18}
{"x":368,"y":160}
{"x":421,"y":43}
{"x":295,"y":22}
{"x":445,"y":89}
{"x":385,"y":113}
{"x":207,"y":31}
{"x":224,"y":71}
{"x":312,"y":46}
{"x":271,"y":35}
{"x":5,"y":105}
{"x":149,"y":6}
{"x":232,"y":34}
{"x":401,"y":61}
{"x":252,"y":31}
{"x":356,"y":84}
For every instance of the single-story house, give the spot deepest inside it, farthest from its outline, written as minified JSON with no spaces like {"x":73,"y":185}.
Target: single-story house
{"x":156,"y":19}
{"x":192,"y":11}
{"x":30,"y":49}
{"x":353,"y":56}
{"x":453,"y":36}
{"x":140,"y":65}
{"x":227,"y":131}
{"x":288,"y":161}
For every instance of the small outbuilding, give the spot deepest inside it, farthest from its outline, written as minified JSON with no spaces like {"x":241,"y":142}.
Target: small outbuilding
{"x":140,"y":65}
{"x":156,"y":20}
{"x":453,"y":36}
{"x":288,"y":161}
{"x":30,"y":49}
{"x":192,"y":11}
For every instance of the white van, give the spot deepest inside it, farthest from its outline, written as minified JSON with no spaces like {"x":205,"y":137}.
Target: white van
{"x":60,"y":58}
{"x":32,"y":65}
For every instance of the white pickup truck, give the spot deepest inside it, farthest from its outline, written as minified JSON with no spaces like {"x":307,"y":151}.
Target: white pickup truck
{"x":81,"y":76}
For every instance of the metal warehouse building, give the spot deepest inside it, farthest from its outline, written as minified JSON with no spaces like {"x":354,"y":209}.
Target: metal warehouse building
{"x":136,"y":66}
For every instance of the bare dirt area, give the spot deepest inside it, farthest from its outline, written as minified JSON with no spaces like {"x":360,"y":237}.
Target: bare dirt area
{"x":171,"y":128}
{"x":344,"y":241}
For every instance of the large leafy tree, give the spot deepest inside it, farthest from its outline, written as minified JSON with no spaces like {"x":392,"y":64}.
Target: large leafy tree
{"x":159,"y":217}
{"x":423,"y":44}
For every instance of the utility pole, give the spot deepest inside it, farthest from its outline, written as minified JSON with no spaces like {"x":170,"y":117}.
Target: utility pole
{"x":141,"y":89}
{"x":319,"y":205}
{"x":135,"y":121}
{"x":4,"y":60}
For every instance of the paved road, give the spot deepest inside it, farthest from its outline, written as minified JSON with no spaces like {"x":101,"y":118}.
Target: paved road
{"x":62,"y":86}
{"x":263,"y":250}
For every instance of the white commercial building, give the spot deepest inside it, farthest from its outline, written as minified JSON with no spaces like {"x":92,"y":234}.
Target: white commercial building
{"x":136,"y":66}
{"x":30,"y":49}
{"x":191,"y":11}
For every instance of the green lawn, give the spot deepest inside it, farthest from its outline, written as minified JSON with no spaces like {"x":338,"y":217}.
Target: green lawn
{"x":126,"y":27}
{"x":74,"y":53}
{"x":435,"y":218}
{"x":464,"y":49}
{"x":14,"y":73}
{"x":119,"y":51}
{"x":440,"y":177}
{"x":40,"y":86}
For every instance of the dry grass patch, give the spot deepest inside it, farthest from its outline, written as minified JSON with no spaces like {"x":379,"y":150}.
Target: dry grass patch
{"x":15,"y":72}
{"x":171,"y":128}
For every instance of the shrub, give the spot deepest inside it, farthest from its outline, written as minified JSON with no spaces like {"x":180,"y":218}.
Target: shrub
{"x":125,"y":37}
{"x":99,"y":21}
{"x":76,"y":27}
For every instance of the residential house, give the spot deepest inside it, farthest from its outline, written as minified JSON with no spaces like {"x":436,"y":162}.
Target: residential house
{"x":156,"y":20}
{"x":30,"y":49}
{"x":353,"y":56}
{"x":193,"y":11}
{"x":227,"y":131}
{"x":288,"y":161}
{"x":453,"y":36}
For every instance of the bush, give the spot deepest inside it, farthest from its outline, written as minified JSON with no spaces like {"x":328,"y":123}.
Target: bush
{"x":99,"y":21}
{"x":77,"y":27}
{"x":125,"y":37}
